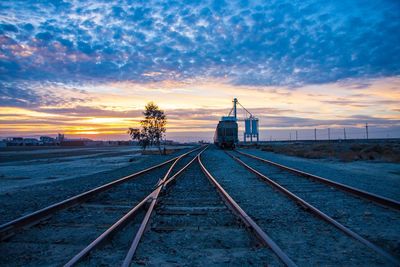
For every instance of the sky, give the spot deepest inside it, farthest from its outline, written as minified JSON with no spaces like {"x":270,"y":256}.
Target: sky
{"x":87,"y":68}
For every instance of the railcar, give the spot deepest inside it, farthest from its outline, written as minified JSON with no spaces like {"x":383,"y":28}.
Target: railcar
{"x":226,"y":134}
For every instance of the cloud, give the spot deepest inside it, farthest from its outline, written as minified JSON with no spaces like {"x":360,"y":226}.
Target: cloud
{"x":206,"y":118}
{"x":78,"y":60}
{"x":35,"y":95}
{"x":86,"y":111}
{"x":257,"y":43}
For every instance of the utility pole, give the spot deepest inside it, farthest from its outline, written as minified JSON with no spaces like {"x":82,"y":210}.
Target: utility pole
{"x":329,"y":134}
{"x":290,"y":136}
{"x":344,"y":133}
{"x":315,"y":134}
{"x":366,"y":129}
{"x":296,"y":135}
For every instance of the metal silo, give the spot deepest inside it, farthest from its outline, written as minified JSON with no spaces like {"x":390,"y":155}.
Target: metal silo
{"x":254,"y":126}
{"x":247,"y":126}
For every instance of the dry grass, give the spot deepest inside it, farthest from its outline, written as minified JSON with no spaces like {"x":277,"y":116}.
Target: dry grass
{"x":344,"y":151}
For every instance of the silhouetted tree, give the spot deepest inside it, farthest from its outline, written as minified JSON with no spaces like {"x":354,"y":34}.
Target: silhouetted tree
{"x":152,"y":127}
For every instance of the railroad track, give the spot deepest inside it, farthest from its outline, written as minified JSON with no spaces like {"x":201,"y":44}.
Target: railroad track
{"x":190,"y":226}
{"x":374,"y":218}
{"x":62,"y":227}
{"x":193,"y":226}
{"x":381,"y":200}
{"x":190,"y":219}
{"x":303,"y":235}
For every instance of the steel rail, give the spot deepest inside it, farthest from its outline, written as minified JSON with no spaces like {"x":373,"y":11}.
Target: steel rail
{"x":310,"y":208}
{"x":127,"y":217}
{"x":107,"y":234}
{"x":247,"y":220}
{"x":163,"y":183}
{"x":129,"y":256}
{"x":10,"y":228}
{"x":387,"y":202}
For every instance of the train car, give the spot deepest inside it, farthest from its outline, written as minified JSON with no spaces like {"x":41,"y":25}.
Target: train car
{"x":226,"y":134}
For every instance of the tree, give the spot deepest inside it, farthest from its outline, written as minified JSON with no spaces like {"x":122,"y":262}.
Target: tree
{"x":152,"y":127}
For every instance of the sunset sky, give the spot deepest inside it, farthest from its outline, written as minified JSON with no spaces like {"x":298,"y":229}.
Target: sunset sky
{"x":87,"y":68}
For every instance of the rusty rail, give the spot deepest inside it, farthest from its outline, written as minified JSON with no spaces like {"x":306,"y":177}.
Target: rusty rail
{"x":10,"y":228}
{"x":127,"y":218}
{"x":145,"y":222}
{"x":108,"y":233}
{"x":310,"y":208}
{"x":387,"y":202}
{"x":247,"y":220}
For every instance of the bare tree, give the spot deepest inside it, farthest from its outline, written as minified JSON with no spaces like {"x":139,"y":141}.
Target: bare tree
{"x":152,"y":127}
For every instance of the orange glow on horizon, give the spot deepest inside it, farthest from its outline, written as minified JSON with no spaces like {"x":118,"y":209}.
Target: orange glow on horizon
{"x":114,"y":107}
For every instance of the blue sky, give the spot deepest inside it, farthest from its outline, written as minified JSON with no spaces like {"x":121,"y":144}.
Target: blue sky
{"x":58,"y":55}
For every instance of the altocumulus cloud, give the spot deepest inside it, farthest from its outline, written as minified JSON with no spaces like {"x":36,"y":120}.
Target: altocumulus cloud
{"x":278,"y":43}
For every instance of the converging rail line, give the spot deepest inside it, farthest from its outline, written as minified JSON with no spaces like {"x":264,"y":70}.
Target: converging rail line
{"x":304,"y":237}
{"x":292,"y":188}
{"x":89,"y":211}
{"x":150,"y":201}
{"x":199,"y":208}
{"x":194,"y":199}
{"x":267,"y":240}
{"x":355,"y":191}
{"x":10,"y":228}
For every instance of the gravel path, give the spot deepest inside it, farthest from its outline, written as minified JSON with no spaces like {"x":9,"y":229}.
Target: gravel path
{"x":376,"y":177}
{"x":58,"y":239}
{"x":23,"y":200}
{"x":306,"y":239}
{"x":193,"y":227}
{"x":376,"y":223}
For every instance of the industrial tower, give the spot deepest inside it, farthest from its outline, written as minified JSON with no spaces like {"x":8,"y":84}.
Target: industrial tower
{"x":251,"y":123}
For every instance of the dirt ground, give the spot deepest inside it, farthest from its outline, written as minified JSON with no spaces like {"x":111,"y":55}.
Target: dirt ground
{"x":35,"y":179}
{"x":19,"y":168}
{"x":352,"y":150}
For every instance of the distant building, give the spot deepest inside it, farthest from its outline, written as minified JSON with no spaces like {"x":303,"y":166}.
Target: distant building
{"x":60,"y":138}
{"x":47,"y":141}
{"x":14,"y":141}
{"x":31,"y":142}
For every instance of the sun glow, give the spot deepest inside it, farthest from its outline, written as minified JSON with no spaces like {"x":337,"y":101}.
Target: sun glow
{"x":196,"y":106}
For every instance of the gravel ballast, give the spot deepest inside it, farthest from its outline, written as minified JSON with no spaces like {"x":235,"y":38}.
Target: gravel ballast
{"x":307,"y":240}
{"x":375,"y":177}
{"x":193,"y":227}
{"x":58,"y":239}
{"x":376,"y":223}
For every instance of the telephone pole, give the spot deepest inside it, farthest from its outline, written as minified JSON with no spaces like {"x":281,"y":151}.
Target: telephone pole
{"x":366,"y":129}
{"x":315,"y":134}
{"x":344,"y":133}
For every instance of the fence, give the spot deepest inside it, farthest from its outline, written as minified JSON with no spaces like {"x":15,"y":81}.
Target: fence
{"x":345,"y":133}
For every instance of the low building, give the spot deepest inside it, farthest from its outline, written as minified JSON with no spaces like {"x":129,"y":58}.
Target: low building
{"x":31,"y":142}
{"x":47,"y":141}
{"x":14,"y":141}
